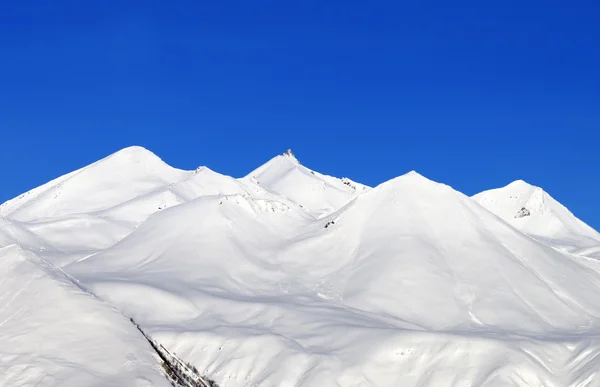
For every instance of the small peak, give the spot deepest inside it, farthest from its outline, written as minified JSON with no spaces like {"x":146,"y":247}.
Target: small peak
{"x":134,"y":150}
{"x":412,"y":178}
{"x":135,"y":154}
{"x":136,"y":157}
{"x":520,"y":183}
{"x":200,"y":169}
{"x":286,"y":160}
{"x":413,"y":173}
{"x":523,"y":186}
{"x":415,"y":176}
{"x":290,"y":155}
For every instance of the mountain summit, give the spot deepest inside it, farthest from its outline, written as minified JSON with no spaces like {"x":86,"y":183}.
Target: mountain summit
{"x":320,"y":194}
{"x":533,"y":211}
{"x":290,"y":154}
{"x":109,"y":182}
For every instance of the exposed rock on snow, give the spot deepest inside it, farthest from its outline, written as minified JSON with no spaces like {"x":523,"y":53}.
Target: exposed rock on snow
{"x":522,"y":213}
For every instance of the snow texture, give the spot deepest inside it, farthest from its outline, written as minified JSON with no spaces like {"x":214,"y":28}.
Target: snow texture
{"x":288,"y":277}
{"x":54,"y":333}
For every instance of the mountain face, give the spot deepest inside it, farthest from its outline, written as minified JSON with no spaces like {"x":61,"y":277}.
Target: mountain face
{"x":319,"y":194}
{"x":287,"y":277}
{"x":533,"y":211}
{"x":110,"y":182}
{"x":54,"y":333}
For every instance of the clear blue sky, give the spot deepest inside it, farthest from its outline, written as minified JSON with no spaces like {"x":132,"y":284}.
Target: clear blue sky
{"x":474,"y":94}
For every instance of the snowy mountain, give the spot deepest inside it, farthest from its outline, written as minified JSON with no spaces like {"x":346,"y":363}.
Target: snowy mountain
{"x":112,"y":181}
{"x":535,"y":212}
{"x":319,"y":194}
{"x":116,"y":194}
{"x":287,"y":277}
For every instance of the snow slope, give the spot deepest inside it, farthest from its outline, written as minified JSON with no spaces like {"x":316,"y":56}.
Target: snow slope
{"x":86,"y":211}
{"x":535,"y":212}
{"x":288,"y":277}
{"x":53,"y":333}
{"x":113,"y":180}
{"x":72,"y":214}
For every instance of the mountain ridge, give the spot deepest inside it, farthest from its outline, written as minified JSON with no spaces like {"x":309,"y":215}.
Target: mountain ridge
{"x":139,"y":155}
{"x":288,"y":277}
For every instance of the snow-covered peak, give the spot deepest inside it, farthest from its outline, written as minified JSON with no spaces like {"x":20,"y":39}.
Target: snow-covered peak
{"x":413,"y":173}
{"x":135,"y":154}
{"x":319,"y":194}
{"x":290,"y":155}
{"x":113,"y":180}
{"x":134,"y":161}
{"x":413,"y":181}
{"x":534,"y":199}
{"x":415,"y":177}
{"x":518,"y":197}
{"x":533,"y":211}
{"x":284,"y":161}
{"x":520,"y":184}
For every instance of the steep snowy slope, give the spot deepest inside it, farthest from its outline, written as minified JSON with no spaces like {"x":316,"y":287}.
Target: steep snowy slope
{"x":52,"y":333}
{"x":318,"y":193}
{"x":536,"y":213}
{"x":411,"y":284}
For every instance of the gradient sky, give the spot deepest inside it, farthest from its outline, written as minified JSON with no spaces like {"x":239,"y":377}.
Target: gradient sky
{"x":473,"y":94}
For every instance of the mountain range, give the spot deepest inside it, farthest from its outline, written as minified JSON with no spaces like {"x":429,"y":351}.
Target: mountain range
{"x":291,"y":278}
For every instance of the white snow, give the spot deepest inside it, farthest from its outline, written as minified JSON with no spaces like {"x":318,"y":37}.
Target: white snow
{"x":54,"y":333}
{"x":288,"y":277}
{"x":535,"y":212}
{"x":319,"y":194}
{"x":111,"y":181}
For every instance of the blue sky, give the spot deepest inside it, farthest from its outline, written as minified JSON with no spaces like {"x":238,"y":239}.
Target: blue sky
{"x":474,"y":94}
